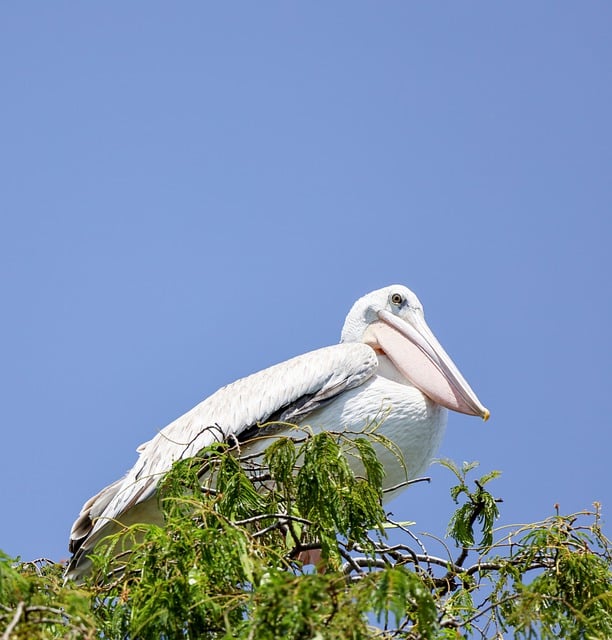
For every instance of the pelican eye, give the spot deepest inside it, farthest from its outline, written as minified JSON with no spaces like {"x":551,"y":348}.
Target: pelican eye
{"x":397,"y":298}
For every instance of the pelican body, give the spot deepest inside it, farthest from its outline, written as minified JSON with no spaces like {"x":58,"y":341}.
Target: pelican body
{"x":388,"y":364}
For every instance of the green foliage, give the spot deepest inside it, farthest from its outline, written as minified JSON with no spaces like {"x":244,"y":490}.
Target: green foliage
{"x":480,"y":506}
{"x":35,"y":604}
{"x":405,"y":595}
{"x":314,"y":605}
{"x":329,"y":495}
{"x":230,"y":561}
{"x":572,"y":596}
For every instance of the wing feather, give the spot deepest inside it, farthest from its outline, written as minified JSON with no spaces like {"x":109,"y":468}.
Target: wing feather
{"x":289,"y":390}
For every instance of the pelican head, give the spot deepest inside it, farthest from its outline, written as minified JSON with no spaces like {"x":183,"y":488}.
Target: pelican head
{"x":392,"y":322}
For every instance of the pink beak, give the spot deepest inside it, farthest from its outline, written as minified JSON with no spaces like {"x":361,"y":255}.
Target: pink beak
{"x":417,"y":354}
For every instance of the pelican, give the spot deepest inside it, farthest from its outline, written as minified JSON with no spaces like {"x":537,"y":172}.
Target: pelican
{"x":388,"y":362}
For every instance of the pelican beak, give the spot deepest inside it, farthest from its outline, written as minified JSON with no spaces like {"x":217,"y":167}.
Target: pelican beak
{"x":417,"y":354}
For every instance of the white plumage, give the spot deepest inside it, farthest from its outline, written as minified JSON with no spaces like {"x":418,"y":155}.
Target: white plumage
{"x":387,"y":364}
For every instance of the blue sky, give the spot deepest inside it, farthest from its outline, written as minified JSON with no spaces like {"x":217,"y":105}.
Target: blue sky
{"x":192,"y":192}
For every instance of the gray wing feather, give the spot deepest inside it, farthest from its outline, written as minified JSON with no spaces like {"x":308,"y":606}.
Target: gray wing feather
{"x":289,"y":390}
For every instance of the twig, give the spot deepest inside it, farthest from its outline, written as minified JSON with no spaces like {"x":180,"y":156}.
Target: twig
{"x":266,"y":516}
{"x":13,"y":623}
{"x":493,"y":605}
{"x":379,"y":563}
{"x":42,"y":607}
{"x":350,"y":564}
{"x":36,"y":563}
{"x":406,"y":483}
{"x":262,"y":532}
{"x":401,"y":527}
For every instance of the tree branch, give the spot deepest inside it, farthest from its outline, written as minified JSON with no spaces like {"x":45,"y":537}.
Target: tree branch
{"x":13,"y":623}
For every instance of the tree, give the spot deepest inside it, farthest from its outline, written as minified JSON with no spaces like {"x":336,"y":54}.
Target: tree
{"x":229,"y":561}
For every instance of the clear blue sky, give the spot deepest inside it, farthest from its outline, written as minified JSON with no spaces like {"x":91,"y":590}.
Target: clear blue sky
{"x":194,"y":191}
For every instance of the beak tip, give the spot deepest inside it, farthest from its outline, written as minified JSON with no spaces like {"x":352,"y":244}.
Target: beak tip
{"x":486,"y":414}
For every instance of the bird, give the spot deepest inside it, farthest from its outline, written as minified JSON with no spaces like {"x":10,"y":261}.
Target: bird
{"x":388,"y":362}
